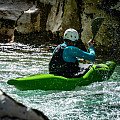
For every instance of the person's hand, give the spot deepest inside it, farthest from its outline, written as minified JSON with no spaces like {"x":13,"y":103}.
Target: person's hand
{"x":82,"y":61}
{"x":90,"y":43}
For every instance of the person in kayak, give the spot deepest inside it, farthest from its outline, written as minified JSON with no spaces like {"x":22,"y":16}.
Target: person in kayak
{"x":64,"y":61}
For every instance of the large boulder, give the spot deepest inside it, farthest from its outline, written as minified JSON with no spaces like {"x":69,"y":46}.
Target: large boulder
{"x":29,"y":21}
{"x":13,"y":110}
{"x":10,"y":12}
{"x":12,"y":9}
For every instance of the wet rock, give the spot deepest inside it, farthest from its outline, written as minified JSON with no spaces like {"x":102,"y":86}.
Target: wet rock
{"x":10,"y":11}
{"x":44,"y":21}
{"x":7,"y":31}
{"x":55,"y":16}
{"x":29,"y":21}
{"x":12,"y":110}
{"x":107,"y":39}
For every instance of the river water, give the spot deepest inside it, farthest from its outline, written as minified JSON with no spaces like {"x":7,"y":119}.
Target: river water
{"x":97,"y":101}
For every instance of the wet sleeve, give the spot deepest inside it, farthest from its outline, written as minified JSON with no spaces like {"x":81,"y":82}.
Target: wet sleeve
{"x":76,"y":52}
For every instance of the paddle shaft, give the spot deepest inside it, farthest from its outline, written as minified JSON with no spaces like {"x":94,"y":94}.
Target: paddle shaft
{"x":93,"y":38}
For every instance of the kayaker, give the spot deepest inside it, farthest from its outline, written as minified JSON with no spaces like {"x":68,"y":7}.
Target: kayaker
{"x":64,"y":61}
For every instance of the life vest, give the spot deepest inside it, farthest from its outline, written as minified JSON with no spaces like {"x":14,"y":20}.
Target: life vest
{"x":58,"y":66}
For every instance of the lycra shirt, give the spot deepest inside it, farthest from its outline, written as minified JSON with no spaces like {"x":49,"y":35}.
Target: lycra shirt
{"x":64,"y":60}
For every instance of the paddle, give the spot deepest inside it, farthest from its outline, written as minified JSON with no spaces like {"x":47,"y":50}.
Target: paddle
{"x":96,"y":25}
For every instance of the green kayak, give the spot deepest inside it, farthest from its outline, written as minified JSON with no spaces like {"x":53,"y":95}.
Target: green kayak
{"x":96,"y":72}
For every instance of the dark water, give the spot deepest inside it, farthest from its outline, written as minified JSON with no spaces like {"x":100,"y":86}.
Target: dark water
{"x":97,"y":101}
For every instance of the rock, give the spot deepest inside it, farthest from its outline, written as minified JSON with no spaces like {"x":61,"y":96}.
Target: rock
{"x":6,"y":33}
{"x":71,"y":16}
{"x":55,"y":17}
{"x":29,"y":21}
{"x":48,"y":19}
{"x":51,"y":2}
{"x":10,"y":11}
{"x":107,"y":39}
{"x":13,"y":110}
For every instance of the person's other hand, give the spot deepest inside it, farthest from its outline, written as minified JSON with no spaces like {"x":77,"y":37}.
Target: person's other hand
{"x":82,"y":61}
{"x":90,"y":43}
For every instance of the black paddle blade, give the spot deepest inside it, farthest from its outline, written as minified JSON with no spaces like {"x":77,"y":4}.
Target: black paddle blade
{"x":96,"y":25}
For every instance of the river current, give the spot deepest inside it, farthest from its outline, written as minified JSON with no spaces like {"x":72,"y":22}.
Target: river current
{"x":97,"y":101}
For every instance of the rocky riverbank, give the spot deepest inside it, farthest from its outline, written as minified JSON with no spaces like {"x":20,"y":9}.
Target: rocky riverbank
{"x":44,"y":21}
